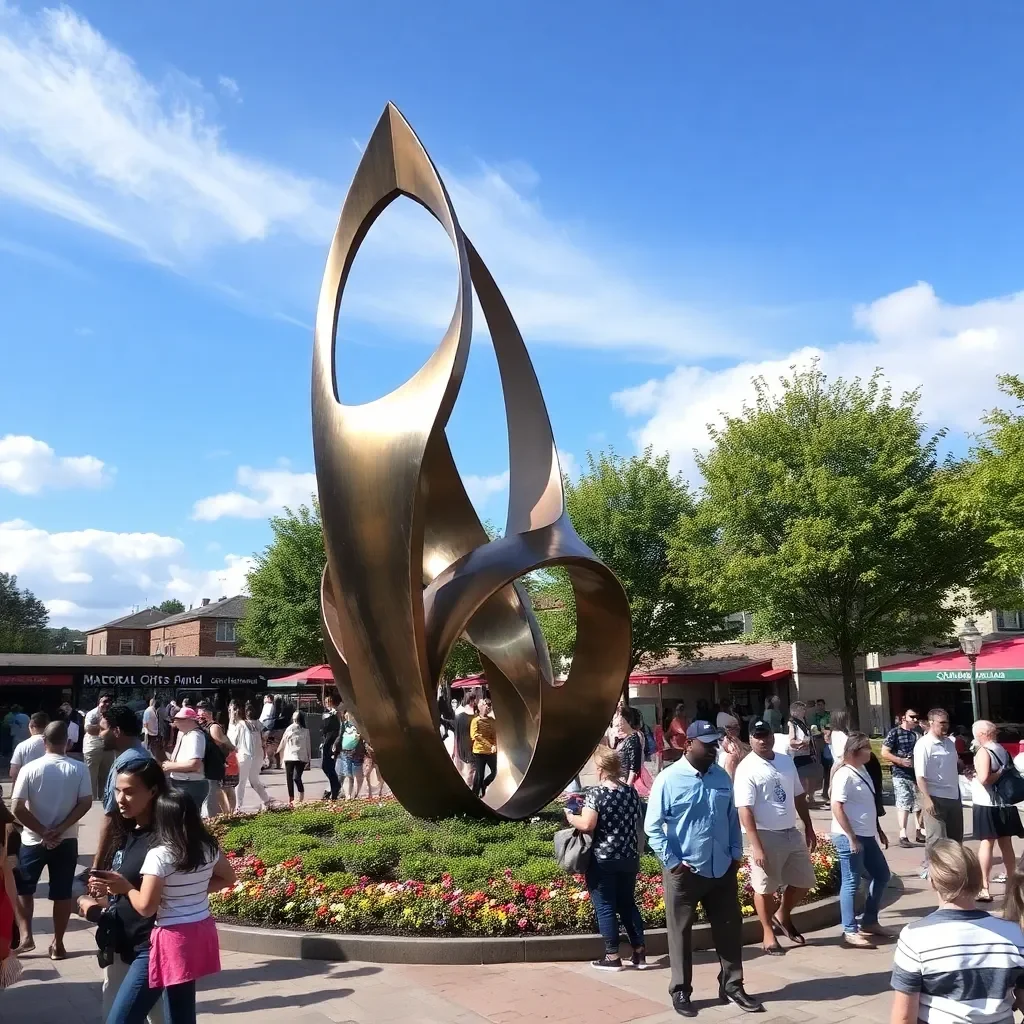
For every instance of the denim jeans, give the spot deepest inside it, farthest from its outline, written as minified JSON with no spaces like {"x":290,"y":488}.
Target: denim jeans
{"x":612,"y":886}
{"x":135,"y":998}
{"x":870,"y":862}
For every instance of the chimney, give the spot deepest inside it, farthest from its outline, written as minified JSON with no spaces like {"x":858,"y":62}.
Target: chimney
{"x":206,"y":601}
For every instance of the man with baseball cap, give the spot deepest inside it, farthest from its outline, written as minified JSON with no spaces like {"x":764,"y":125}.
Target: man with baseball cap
{"x":693,"y":827}
{"x":769,"y":796}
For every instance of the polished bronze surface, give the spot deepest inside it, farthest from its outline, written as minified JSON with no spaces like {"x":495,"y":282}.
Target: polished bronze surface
{"x":410,"y":568}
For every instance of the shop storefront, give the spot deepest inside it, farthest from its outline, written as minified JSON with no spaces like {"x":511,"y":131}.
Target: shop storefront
{"x":44,"y":682}
{"x":944,"y":681}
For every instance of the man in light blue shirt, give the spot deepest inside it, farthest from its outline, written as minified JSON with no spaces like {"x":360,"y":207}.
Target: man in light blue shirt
{"x":693,"y":827}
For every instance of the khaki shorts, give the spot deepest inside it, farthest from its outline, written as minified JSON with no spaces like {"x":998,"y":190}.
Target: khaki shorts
{"x":786,"y":862}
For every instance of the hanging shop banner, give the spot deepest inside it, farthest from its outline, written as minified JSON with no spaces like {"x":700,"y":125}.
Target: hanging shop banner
{"x":179,"y":680}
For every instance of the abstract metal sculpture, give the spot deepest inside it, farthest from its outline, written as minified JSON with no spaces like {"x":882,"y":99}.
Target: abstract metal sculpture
{"x":409,"y":566}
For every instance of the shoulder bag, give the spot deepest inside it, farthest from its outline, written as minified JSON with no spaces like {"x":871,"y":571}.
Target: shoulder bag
{"x":572,"y":850}
{"x":1009,"y":787}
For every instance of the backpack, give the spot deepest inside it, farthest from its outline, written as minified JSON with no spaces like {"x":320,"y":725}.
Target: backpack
{"x":1009,"y":787}
{"x":214,"y":759}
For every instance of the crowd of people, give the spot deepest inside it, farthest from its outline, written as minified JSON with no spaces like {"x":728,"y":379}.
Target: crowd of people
{"x":760,"y":777}
{"x":156,"y":862}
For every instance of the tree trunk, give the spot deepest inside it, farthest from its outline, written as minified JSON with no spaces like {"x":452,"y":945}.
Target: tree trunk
{"x":848,"y":663}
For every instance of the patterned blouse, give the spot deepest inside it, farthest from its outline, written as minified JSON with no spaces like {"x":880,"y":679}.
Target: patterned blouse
{"x":631,"y":754}
{"x":618,"y":820}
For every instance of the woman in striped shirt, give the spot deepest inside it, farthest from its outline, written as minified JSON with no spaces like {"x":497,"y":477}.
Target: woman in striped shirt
{"x":183,"y":866}
{"x":959,"y":965}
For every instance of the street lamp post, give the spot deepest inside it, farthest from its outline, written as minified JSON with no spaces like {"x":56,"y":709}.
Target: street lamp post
{"x":970,"y":643}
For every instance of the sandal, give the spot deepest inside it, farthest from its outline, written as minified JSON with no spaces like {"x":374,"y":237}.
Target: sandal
{"x":789,"y":931}
{"x":984,"y":896}
{"x":56,"y":954}
{"x":775,"y":950}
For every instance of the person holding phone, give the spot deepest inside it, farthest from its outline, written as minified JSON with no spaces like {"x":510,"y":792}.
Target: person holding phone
{"x":136,"y":789}
{"x":183,"y":865}
{"x":611,"y":813}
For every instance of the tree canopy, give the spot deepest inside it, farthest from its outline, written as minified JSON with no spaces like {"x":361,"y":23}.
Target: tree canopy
{"x":23,"y":619}
{"x":988,"y":491}
{"x":628,"y":510}
{"x":282,"y":621}
{"x":821,"y":514}
{"x":172,"y":606}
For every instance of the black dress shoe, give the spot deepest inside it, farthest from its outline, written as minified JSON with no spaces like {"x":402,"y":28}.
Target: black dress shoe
{"x":741,"y":999}
{"x":682,"y":1005}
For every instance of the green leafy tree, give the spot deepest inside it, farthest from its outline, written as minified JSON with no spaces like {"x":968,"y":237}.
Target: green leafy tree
{"x":172,"y":606}
{"x":629,"y":510}
{"x":988,"y":491}
{"x":66,"y":641}
{"x":23,"y":619}
{"x":282,"y":621}
{"x":821,"y":514}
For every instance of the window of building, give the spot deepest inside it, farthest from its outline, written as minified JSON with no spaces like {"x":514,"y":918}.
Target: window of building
{"x":125,"y":646}
{"x":225,"y":631}
{"x":169,"y":649}
{"x":224,"y":654}
{"x":1010,"y":620}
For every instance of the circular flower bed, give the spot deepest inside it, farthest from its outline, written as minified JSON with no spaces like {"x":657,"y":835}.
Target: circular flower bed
{"x":370,"y":867}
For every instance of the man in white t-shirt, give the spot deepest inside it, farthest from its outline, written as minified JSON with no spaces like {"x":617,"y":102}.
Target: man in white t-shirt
{"x":33,"y":747}
{"x":937,"y":768}
{"x":768,"y":797}
{"x":152,"y":738}
{"x":185,"y":767}
{"x":51,"y":795}
{"x":97,"y":758}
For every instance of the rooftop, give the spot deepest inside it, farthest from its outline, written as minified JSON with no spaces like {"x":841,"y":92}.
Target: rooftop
{"x":136,"y":620}
{"x":225,"y":608}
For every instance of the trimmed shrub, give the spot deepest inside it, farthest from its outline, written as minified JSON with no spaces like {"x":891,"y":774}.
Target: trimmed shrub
{"x":506,"y":855}
{"x":539,"y":872}
{"x":450,"y":844}
{"x":422,"y":867}
{"x":650,"y":865}
{"x":467,"y":871}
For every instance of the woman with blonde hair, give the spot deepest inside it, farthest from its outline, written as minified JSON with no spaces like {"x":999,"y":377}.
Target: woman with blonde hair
{"x":958,"y":963}
{"x":611,"y":812}
{"x":995,"y":823}
{"x":858,"y":839}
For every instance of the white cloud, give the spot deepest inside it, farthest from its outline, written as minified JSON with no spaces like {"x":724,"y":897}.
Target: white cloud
{"x":86,"y":136}
{"x":28,"y":466}
{"x":952,"y":353}
{"x":482,"y":488}
{"x":229,"y":87}
{"x":87,"y":577}
{"x":269,"y":491}
{"x":568,"y":463}
{"x":191,"y":586}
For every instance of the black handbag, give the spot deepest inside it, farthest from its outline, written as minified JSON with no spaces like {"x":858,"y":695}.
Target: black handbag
{"x":1009,"y":787}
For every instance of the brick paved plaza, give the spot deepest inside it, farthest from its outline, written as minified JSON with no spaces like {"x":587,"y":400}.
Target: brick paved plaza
{"x":822,"y":981}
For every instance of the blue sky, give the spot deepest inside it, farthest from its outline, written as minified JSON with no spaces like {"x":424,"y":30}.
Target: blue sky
{"x":673,"y":198}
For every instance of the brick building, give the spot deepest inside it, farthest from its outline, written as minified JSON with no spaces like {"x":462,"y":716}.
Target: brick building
{"x":124,"y":636}
{"x":207,"y":631}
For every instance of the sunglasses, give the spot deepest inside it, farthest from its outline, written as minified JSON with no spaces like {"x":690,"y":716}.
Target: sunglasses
{"x":912,"y":718}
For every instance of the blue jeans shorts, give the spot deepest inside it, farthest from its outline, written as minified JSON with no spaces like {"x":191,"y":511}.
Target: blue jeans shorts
{"x":62,"y":862}
{"x":349,"y":767}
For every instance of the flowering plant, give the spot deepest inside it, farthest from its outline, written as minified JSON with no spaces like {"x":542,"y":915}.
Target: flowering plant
{"x":464,"y":892}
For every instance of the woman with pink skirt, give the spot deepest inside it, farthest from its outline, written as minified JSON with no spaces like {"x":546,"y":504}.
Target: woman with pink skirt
{"x":183,"y":866}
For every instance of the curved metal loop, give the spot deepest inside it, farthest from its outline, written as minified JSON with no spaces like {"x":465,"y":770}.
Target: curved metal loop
{"x":409,"y":565}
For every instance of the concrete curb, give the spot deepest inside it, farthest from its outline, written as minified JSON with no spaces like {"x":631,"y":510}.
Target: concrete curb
{"x":408,"y":949}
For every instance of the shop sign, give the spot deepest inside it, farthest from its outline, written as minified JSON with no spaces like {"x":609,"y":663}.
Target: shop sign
{"x":36,"y":680}
{"x":983,"y":675}
{"x":174,"y":679}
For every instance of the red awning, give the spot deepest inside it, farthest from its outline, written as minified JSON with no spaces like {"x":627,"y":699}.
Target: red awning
{"x":314,"y":674}
{"x":755,"y":672}
{"x":469,"y":682}
{"x":998,"y":661}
